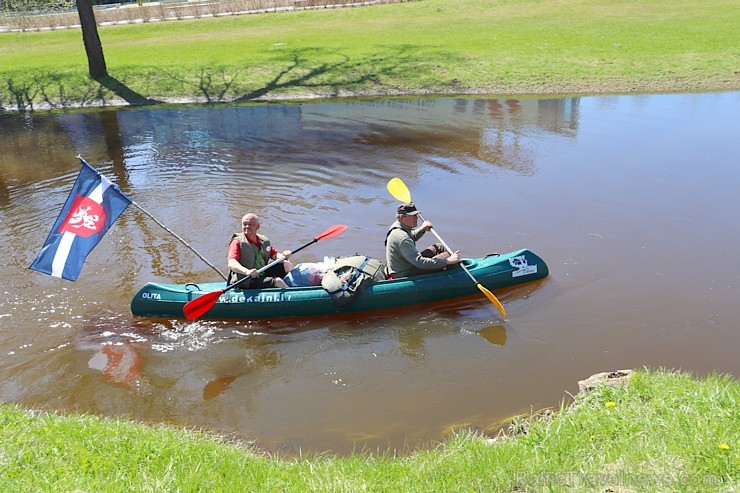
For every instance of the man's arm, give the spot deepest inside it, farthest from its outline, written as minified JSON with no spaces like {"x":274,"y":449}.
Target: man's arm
{"x":413,"y":256}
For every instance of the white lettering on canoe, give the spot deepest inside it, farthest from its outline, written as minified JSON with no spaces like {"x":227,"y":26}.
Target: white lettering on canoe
{"x":521,"y":266}
{"x":258,"y":298}
{"x":151,"y":296}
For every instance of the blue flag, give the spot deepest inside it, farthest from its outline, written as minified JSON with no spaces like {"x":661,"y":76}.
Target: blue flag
{"x":92,"y":207}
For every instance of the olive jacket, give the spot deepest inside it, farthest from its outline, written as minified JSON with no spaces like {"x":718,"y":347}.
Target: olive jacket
{"x":401,"y":255}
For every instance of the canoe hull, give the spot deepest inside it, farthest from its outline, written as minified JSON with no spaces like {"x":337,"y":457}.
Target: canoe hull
{"x":493,"y":272}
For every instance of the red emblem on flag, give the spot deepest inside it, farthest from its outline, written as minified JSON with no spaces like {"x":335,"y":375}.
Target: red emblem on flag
{"x":85,"y":218}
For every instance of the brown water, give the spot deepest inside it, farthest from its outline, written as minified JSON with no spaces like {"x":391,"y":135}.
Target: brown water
{"x":632,"y":201}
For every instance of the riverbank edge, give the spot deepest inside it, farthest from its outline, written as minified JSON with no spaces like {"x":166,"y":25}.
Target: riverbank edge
{"x":513,"y":92}
{"x":653,"y":430}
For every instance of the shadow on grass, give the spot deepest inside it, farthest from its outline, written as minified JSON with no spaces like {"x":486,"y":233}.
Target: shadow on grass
{"x":124,"y":92}
{"x":303,"y":75}
{"x":342,"y":75}
{"x":50,"y":90}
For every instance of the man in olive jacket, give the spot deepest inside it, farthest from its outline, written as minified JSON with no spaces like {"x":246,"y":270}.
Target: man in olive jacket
{"x":402,"y":257}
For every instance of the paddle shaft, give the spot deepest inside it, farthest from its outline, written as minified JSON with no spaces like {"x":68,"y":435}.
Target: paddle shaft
{"x":447,"y":247}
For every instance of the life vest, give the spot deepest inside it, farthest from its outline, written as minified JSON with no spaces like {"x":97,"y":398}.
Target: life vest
{"x":249,"y":256}
{"x":395,"y":226}
{"x":350,"y":276}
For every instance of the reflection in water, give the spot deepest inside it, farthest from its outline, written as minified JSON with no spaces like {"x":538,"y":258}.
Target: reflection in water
{"x":218,"y":386}
{"x":4,"y":193}
{"x":258,"y":357}
{"x":599,"y":187}
{"x":495,"y":334}
{"x":117,"y":349}
{"x":120,"y":363}
{"x":411,"y":342}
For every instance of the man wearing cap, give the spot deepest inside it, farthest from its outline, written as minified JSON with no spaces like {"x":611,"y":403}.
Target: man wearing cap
{"x":402,"y":257}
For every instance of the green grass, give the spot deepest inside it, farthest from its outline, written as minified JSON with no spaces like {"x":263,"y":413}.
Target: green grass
{"x":428,"y":46}
{"x":664,"y":431}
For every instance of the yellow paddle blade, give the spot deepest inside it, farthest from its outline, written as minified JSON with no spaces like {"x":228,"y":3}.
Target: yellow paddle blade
{"x":492,"y":299}
{"x":399,"y":190}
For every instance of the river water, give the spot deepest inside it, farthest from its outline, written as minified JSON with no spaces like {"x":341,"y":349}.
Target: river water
{"x":631,"y":200}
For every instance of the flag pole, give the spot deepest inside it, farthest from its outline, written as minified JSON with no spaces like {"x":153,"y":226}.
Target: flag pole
{"x":178,"y":237}
{"x":173,"y":234}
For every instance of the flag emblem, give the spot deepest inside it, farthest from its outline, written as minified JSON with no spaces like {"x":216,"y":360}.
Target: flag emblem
{"x":86,"y":217}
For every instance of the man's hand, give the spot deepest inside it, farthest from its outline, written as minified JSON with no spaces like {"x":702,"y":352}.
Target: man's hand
{"x":454,"y":258}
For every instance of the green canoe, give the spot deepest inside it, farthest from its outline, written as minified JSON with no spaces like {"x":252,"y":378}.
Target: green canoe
{"x":493,"y":271}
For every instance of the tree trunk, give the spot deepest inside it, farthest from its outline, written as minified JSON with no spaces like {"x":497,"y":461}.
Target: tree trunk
{"x":93,"y":47}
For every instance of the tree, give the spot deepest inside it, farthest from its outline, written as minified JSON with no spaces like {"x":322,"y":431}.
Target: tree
{"x":93,"y":47}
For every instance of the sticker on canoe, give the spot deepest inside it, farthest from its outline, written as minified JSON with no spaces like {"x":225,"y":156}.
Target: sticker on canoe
{"x":259,"y":298}
{"x":521,"y":266}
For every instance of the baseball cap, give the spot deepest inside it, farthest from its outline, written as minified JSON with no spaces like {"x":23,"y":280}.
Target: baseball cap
{"x":408,"y":209}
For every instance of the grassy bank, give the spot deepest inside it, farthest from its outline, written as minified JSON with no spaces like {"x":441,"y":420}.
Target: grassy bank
{"x":429,"y":46}
{"x":663,"y":431}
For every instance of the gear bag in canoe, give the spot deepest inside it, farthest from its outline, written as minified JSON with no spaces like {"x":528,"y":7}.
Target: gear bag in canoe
{"x":350,"y":276}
